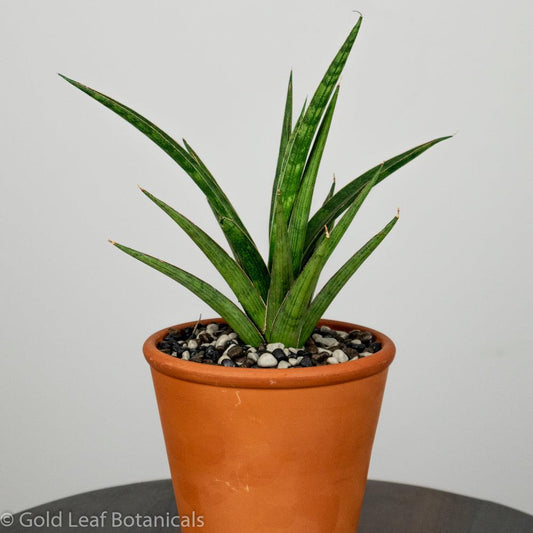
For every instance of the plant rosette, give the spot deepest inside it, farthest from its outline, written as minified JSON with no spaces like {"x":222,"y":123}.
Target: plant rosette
{"x":284,"y":446}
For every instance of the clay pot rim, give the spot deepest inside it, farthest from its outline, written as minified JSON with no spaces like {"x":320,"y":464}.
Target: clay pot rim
{"x":269,"y":378}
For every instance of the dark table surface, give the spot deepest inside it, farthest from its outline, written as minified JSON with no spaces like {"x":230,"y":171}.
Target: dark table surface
{"x":388,"y":508}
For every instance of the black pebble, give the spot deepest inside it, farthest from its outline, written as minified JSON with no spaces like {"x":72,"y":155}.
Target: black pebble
{"x":310,"y":346}
{"x":279,"y":354}
{"x":320,"y":357}
{"x":211,"y":353}
{"x":366,"y":336}
{"x":359,"y":347}
{"x":306,"y":361}
{"x":374,"y":347}
{"x":235,"y":351}
{"x":204,"y":338}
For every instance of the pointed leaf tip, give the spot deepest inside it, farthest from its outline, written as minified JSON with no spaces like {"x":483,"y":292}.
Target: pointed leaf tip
{"x":112,"y":242}
{"x":397,"y":212}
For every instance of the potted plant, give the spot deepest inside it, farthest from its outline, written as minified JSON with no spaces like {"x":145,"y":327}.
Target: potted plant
{"x":269,"y":413}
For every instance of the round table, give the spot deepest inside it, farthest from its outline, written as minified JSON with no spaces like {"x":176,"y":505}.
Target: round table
{"x":388,"y":508}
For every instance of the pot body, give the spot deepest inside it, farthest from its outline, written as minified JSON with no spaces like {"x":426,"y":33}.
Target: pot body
{"x":269,"y":450}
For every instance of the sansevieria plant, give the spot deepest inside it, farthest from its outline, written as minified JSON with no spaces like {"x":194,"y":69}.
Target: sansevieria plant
{"x":277,"y":295}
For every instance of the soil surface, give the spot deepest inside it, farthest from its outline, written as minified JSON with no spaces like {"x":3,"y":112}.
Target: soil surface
{"x":218,"y":344}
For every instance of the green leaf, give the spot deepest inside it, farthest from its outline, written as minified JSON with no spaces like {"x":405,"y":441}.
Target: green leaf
{"x":239,"y":282}
{"x":281,"y":272}
{"x":191,"y":164}
{"x":338,"y":280}
{"x":211,"y":296}
{"x":199,"y":163}
{"x":206,"y":172}
{"x":286,"y":131}
{"x":302,"y":204}
{"x":330,"y":194}
{"x":331,"y":191}
{"x":288,"y":322}
{"x":247,"y":255}
{"x":340,"y":201}
{"x":298,"y":150}
{"x":275,"y":197}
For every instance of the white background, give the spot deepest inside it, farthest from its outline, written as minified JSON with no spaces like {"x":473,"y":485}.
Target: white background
{"x":451,"y":284}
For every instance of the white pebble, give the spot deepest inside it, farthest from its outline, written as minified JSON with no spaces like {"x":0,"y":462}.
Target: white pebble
{"x":328,"y":341}
{"x":267,"y":360}
{"x":340,"y":356}
{"x":325,"y":329}
{"x":356,"y":341}
{"x":317,"y":337}
{"x":332,"y":361}
{"x":232,"y":335}
{"x":192,"y":344}
{"x":253,"y":356}
{"x":211,"y":329}
{"x":293,"y":350}
{"x":251,"y":349}
{"x":293,"y":361}
{"x":275,"y":345}
{"x":286,"y":351}
{"x":365,"y":354}
{"x":299,"y":359}
{"x":222,"y":341}
{"x":342,"y":334}
{"x":283,"y":364}
{"x":186,"y":355}
{"x":222,"y":357}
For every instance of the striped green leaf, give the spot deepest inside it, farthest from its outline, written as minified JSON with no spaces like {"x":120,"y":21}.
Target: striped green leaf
{"x":247,"y":255}
{"x":275,"y":197}
{"x":281,"y":272}
{"x":298,"y":150}
{"x":211,"y":296}
{"x":188,"y":163}
{"x":302,"y":205}
{"x":331,"y":191}
{"x":236,"y":278}
{"x":286,"y":131}
{"x":206,"y":172}
{"x":288,"y":322}
{"x":330,"y":290}
{"x":342,"y":199}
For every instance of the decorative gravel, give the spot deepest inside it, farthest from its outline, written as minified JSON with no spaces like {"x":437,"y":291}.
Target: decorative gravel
{"x":218,"y":344}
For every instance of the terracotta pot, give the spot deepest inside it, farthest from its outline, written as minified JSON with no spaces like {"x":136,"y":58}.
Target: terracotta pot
{"x":270,"y":450}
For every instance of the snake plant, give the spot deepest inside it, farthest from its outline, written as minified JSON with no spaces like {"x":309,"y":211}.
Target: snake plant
{"x":277,"y":295}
